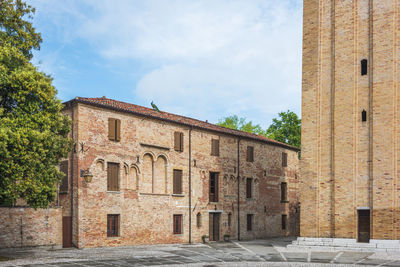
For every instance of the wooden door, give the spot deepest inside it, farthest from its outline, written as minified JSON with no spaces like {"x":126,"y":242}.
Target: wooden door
{"x":214,"y":226}
{"x":67,"y":231}
{"x":363,"y":225}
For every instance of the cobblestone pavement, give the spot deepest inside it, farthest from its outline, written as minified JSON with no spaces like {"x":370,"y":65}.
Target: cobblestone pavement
{"x":271,"y":252}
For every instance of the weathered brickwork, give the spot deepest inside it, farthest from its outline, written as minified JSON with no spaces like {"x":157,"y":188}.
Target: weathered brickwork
{"x":348,"y":164}
{"x":147,"y":158}
{"x":27,"y":227}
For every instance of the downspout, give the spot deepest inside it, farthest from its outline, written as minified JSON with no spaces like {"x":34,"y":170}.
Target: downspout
{"x":190,"y":185}
{"x":238,"y":186}
{"x":72,"y":173}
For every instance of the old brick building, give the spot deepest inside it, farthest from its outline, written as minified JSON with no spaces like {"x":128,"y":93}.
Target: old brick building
{"x":157,"y":177}
{"x":350,"y":168}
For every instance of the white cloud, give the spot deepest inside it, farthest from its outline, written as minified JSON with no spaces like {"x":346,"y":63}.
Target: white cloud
{"x":209,"y":58}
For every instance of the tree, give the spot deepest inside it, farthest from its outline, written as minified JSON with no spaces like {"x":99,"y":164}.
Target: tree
{"x":33,"y":132}
{"x":236,"y":123}
{"x":287,"y":129}
{"x":16,"y":31}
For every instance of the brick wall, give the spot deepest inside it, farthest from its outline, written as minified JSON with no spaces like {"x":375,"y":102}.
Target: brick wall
{"x":27,"y":227}
{"x":146,"y":210}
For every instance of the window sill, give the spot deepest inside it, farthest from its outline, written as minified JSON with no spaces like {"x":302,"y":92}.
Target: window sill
{"x":114,"y":192}
{"x":178,"y":195}
{"x":113,"y":237}
{"x":284,"y":201}
{"x":178,"y":234}
{"x":63,"y":192}
{"x":249,"y":198}
{"x":153,"y":194}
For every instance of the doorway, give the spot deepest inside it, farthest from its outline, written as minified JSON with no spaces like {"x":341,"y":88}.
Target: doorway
{"x":214,"y":226}
{"x":363,"y":225}
{"x":67,"y":233}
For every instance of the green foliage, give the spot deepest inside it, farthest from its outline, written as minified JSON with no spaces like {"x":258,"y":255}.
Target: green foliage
{"x":236,"y":123}
{"x":33,"y":132}
{"x":16,"y":31}
{"x":287,"y":129}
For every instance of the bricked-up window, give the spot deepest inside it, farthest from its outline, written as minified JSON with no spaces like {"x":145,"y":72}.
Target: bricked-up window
{"x":249,"y":183}
{"x":64,"y":181}
{"x":112,"y":176}
{"x":214,"y":188}
{"x":249,"y":222}
{"x":177,"y":224}
{"x":214,"y":147}
{"x":284,"y":192}
{"x":114,"y":129}
{"x":178,"y":141}
{"x":250,"y":154}
{"x":284,"y":159}
{"x":284,"y":221}
{"x":229,"y":219}
{"x":364,"y":67}
{"x":198,"y":219}
{"x":177,"y":188}
{"x":112,"y":225}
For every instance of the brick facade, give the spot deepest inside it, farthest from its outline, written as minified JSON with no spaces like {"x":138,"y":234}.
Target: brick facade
{"x":147,"y":159}
{"x":349,"y":164}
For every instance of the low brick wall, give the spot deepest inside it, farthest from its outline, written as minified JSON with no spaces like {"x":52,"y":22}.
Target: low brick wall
{"x":27,"y":227}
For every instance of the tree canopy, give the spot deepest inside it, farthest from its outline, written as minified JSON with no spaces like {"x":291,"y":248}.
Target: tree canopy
{"x":286,"y":129}
{"x":33,"y":132}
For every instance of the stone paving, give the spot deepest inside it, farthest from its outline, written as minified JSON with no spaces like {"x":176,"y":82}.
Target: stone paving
{"x":271,"y":252}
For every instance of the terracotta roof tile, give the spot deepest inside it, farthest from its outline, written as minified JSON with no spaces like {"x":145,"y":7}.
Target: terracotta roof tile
{"x":139,"y":110}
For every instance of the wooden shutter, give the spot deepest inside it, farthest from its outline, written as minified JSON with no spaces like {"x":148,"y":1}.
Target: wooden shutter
{"x":250,"y":154}
{"x":111,"y":129}
{"x":177,"y":224}
{"x":215,"y":147}
{"x":216,"y":187}
{"x":177,"y":183}
{"x":64,"y":181}
{"x":178,"y":141}
{"x":283,"y":192}
{"x":249,"y":222}
{"x":112,"y":176}
{"x":248,"y":187}
{"x":117,"y":130}
{"x":284,"y":159}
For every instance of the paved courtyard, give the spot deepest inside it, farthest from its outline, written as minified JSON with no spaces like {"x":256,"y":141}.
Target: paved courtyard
{"x":271,"y":252}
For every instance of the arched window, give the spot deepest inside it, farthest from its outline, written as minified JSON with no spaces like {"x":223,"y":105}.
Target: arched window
{"x":229,"y":219}
{"x":198,"y":219}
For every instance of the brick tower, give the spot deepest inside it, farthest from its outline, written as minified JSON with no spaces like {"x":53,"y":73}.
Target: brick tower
{"x":350,"y":160}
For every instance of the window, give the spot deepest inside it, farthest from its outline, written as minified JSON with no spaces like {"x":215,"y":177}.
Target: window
{"x":177,"y":224}
{"x":112,"y":176}
{"x":178,"y":141}
{"x":215,"y":147}
{"x":364,"y":115}
{"x":64,"y":181}
{"x":114,"y":129}
{"x":249,"y":222}
{"x":177,"y":182}
{"x":284,"y":159}
{"x":213,"y":187}
{"x":364,"y":67}
{"x":229,"y":219}
{"x":249,"y":183}
{"x":198,"y":219}
{"x":284,"y":221}
{"x":112,"y":225}
{"x":250,"y":154}
{"x":284,"y":192}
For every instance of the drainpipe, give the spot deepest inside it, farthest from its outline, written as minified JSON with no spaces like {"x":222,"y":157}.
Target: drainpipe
{"x":72,"y":173}
{"x":190,"y":185}
{"x":238,"y":186}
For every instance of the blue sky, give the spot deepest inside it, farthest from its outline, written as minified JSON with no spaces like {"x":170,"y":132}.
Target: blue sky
{"x":205,"y":59}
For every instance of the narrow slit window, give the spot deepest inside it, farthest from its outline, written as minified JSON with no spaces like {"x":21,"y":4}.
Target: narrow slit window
{"x":364,"y":115}
{"x":364,"y":67}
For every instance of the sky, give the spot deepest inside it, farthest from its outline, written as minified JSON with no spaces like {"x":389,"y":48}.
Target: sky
{"x":205,"y":59}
